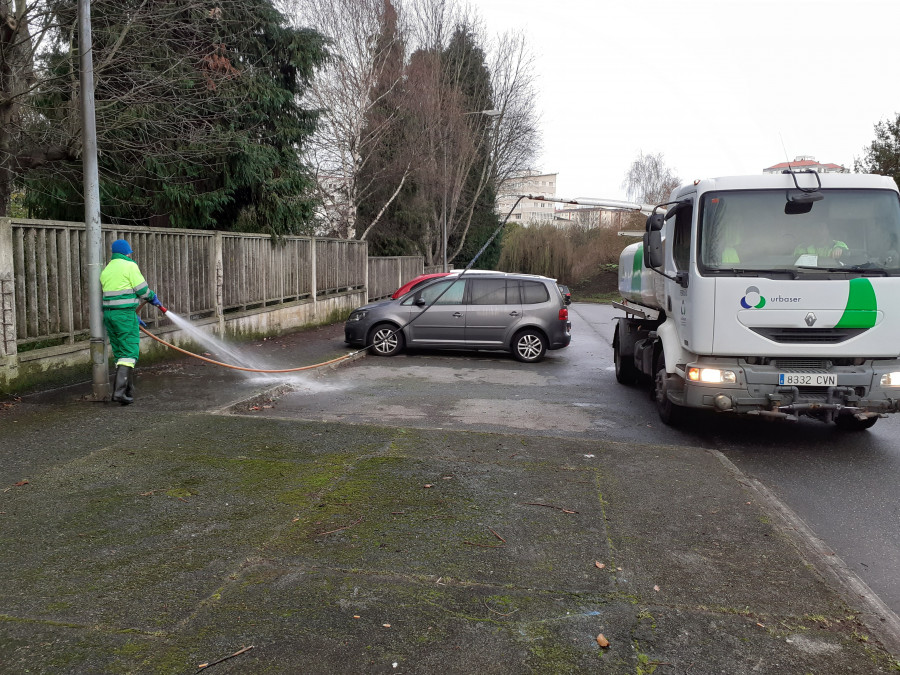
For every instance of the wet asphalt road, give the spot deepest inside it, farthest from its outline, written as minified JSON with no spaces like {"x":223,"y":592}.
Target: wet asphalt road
{"x":843,"y":485}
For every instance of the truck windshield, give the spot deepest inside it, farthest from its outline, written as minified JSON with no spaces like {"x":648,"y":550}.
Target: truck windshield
{"x":847,"y":230}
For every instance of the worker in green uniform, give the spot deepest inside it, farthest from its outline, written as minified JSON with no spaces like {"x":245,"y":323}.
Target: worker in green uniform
{"x":821,"y":243}
{"x":123,"y":290}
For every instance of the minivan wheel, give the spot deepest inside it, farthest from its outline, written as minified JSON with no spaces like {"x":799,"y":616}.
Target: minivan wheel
{"x":386,"y":340}
{"x":529,"y":346}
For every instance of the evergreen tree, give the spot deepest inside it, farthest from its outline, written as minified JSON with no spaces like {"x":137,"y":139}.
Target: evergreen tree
{"x":198,"y":118}
{"x":446,"y":141}
{"x":883,"y":154}
{"x":465,"y":68}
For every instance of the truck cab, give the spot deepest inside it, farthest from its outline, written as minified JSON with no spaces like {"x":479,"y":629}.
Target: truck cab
{"x":772,"y":295}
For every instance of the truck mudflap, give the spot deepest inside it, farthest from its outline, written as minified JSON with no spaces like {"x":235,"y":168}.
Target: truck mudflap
{"x":757,"y":391}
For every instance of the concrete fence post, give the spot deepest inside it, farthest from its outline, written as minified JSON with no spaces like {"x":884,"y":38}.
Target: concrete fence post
{"x":217,"y":279}
{"x":9,"y":360}
{"x":312,"y":267}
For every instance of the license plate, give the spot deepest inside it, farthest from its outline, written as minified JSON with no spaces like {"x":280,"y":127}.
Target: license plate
{"x":808,"y":379}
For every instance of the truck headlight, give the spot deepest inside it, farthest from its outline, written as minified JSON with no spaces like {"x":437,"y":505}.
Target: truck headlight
{"x":357,"y":316}
{"x":715,"y":376}
{"x":890,"y":380}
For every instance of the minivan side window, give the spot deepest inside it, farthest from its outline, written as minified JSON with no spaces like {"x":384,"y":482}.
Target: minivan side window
{"x":488,"y":292}
{"x":534,"y":293}
{"x":453,"y":296}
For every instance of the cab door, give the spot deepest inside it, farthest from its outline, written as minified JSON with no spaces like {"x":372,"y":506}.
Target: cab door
{"x":439,"y":315}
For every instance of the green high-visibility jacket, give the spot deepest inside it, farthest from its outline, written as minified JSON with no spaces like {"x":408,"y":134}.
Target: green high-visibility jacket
{"x":123,"y":284}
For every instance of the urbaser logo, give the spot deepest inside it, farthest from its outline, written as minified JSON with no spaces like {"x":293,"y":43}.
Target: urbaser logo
{"x":752,"y":299}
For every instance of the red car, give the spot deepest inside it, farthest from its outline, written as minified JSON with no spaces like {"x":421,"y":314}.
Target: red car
{"x":415,"y":283}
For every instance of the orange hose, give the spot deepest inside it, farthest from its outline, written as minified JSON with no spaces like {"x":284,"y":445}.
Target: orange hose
{"x":250,"y":370}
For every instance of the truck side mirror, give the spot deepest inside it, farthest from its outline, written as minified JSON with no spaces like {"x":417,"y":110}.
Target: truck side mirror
{"x":655,"y":222}
{"x":653,"y":248}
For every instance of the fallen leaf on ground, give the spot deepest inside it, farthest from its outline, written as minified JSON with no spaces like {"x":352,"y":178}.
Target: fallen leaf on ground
{"x":428,"y":485}
{"x":386,"y":625}
{"x":21,"y":483}
{"x":602,"y":641}
{"x":356,"y":616}
{"x":599,"y":565}
{"x":656,"y":588}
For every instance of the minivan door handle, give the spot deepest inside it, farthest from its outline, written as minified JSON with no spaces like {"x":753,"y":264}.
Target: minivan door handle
{"x":514,"y":313}
{"x":456,"y":315}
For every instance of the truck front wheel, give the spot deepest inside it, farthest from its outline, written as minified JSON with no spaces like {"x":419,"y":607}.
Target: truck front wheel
{"x":669,"y":413}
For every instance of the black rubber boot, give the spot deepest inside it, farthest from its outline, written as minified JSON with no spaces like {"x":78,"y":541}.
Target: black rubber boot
{"x":129,"y":386}
{"x":120,"y":392}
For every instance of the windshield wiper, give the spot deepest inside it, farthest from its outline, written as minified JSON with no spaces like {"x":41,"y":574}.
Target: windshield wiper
{"x":864,"y":268}
{"x":754,"y":272}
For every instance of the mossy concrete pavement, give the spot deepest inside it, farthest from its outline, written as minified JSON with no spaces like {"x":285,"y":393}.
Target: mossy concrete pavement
{"x":166,"y":534}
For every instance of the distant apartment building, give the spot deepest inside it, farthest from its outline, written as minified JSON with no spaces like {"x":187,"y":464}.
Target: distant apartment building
{"x":528,"y":210}
{"x":591,"y":216}
{"x":806,"y":162}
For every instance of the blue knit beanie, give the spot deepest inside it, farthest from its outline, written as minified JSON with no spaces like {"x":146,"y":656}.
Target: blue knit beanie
{"x":121,"y":246}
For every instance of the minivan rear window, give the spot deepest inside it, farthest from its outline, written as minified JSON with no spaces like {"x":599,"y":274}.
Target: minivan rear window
{"x":534,"y":293}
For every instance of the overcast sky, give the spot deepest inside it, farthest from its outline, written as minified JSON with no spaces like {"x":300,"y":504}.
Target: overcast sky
{"x":717,"y":86}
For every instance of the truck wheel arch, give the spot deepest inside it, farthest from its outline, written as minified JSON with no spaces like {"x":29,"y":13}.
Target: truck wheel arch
{"x":670,"y":345}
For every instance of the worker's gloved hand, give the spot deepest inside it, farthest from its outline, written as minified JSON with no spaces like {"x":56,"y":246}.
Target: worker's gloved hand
{"x":141,"y":321}
{"x":155,"y":301}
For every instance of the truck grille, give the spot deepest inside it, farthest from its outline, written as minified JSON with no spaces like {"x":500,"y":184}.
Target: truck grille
{"x":827,"y":336}
{"x":801,"y":365}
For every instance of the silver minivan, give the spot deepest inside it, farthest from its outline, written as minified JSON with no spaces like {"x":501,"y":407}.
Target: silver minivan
{"x":521,"y":313}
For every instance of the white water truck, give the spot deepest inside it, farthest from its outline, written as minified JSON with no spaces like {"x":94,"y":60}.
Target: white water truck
{"x":772,"y":295}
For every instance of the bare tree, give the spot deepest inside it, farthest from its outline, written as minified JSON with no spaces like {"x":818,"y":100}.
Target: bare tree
{"x":649,"y":180}
{"x":402,"y":116}
{"x":359,"y":94}
{"x":24,"y":28}
{"x":513,"y":137}
{"x":482,"y":94}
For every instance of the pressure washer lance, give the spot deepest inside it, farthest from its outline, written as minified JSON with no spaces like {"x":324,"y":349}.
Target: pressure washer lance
{"x":155,"y":304}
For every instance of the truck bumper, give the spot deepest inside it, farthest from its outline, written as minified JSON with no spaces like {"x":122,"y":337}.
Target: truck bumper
{"x":859,"y":390}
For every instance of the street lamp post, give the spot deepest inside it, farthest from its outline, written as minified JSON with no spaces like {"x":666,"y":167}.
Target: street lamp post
{"x":100,"y":367}
{"x":487,"y":113}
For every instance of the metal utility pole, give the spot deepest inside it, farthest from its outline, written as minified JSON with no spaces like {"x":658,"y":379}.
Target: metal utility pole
{"x":100,"y":367}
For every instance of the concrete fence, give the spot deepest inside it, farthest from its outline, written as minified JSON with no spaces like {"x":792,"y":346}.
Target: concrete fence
{"x":229,"y":283}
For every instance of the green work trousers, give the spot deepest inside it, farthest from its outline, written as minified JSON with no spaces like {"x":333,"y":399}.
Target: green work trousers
{"x":124,"y":335}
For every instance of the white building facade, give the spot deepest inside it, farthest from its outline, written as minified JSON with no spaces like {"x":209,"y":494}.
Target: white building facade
{"x":528,"y":211}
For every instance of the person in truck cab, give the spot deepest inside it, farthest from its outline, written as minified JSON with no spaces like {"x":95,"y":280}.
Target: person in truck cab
{"x":821,"y":243}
